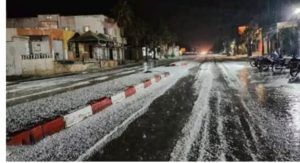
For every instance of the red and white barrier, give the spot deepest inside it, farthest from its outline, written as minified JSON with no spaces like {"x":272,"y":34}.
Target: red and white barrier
{"x":40,"y":131}
{"x":153,"y":80}
{"x":100,"y":104}
{"x":147,"y":83}
{"x":139,"y":88}
{"x":118,"y":97}
{"x":77,"y":116}
{"x":20,"y":138}
{"x":130,"y":91}
{"x":37,"y":133}
{"x":157,"y":78}
{"x":53,"y":126}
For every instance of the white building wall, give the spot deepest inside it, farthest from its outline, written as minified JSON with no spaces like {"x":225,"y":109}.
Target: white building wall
{"x":58,"y":49}
{"x":67,"y":21}
{"x":10,"y":33}
{"x":37,"y":66}
{"x":14,"y":49}
{"x":94,"y":22}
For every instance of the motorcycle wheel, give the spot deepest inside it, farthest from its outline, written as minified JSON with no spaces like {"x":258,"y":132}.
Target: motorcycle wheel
{"x":252,"y":63}
{"x":294,"y":69}
{"x":263,"y":67}
{"x":294,"y":72}
{"x":277,"y":68}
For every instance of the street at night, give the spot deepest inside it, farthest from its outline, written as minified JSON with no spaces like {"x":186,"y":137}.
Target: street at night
{"x":151,"y":80}
{"x":205,"y":111}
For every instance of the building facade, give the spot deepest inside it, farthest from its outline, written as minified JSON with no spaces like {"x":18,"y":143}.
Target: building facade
{"x":47,"y":39}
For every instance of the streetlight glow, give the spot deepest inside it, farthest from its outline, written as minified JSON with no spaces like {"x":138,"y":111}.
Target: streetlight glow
{"x":297,"y":11}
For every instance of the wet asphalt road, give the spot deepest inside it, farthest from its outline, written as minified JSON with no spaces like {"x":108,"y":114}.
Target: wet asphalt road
{"x":161,"y":124}
{"x":221,"y":111}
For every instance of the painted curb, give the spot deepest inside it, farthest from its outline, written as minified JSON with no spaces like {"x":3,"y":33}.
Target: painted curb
{"x":19,"y":139}
{"x":147,"y":83}
{"x":130,"y":91}
{"x":77,"y":116}
{"x":37,"y":133}
{"x":100,"y":104}
{"x":157,"y":78}
{"x":118,"y":97}
{"x":53,"y":126}
{"x":139,"y":87}
{"x":40,"y":131}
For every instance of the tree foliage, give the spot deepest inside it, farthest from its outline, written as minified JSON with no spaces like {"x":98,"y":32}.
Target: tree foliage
{"x":123,"y":14}
{"x":139,"y":32}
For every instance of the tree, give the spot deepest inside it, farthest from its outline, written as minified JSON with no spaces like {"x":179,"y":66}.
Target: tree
{"x":136,"y":34}
{"x":251,"y":37}
{"x":218,"y":45}
{"x":123,"y":15}
{"x":164,"y":37}
{"x":140,"y":33}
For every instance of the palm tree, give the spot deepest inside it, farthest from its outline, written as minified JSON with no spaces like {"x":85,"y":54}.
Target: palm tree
{"x":136,"y":33}
{"x":123,"y":15}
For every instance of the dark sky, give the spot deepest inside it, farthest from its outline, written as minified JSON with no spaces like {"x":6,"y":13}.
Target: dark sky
{"x":196,"y":22}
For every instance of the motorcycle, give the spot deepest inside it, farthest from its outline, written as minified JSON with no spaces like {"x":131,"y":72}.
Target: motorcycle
{"x":294,"y":67}
{"x":264,"y":63}
{"x":280,"y":64}
{"x":253,"y":61}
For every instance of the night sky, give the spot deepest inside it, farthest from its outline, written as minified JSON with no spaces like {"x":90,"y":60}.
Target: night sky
{"x":196,"y":22}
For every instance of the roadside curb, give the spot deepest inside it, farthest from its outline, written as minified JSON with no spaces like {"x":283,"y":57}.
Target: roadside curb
{"x":40,"y":131}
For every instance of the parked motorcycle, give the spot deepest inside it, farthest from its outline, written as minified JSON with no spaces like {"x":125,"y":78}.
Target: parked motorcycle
{"x":264,"y":63}
{"x":253,"y":61}
{"x":275,"y":61}
{"x":281,"y":64}
{"x":294,"y":67}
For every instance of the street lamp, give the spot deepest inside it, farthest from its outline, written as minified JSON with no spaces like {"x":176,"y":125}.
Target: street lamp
{"x":297,"y":11}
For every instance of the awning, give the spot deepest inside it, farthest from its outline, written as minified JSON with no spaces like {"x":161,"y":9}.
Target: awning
{"x":89,"y":37}
{"x":104,"y":38}
{"x":74,"y":37}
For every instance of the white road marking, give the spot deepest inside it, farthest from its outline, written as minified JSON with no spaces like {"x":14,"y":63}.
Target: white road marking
{"x":48,"y":91}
